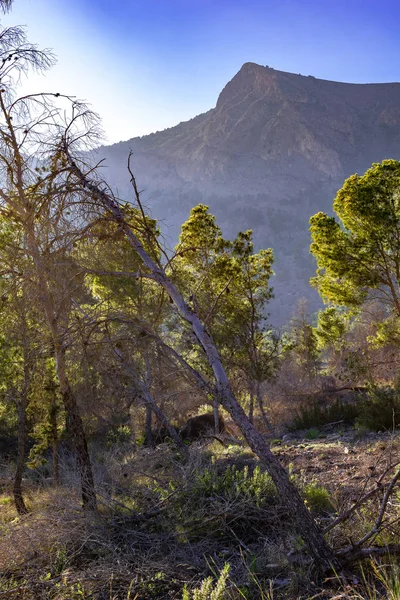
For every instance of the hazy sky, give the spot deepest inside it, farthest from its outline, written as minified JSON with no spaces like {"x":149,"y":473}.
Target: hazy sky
{"x":145,"y":65}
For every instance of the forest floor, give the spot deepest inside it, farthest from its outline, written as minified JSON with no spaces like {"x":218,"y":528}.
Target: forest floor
{"x":167,"y":521}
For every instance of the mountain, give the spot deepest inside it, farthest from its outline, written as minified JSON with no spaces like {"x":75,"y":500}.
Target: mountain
{"x":272,"y":152}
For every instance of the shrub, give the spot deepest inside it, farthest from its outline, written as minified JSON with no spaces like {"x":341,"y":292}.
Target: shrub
{"x":380,"y":409}
{"x":120,"y":435}
{"x":312,"y":434}
{"x":207,"y":589}
{"x":314,"y":415}
{"x":233,"y":483}
{"x":237,"y":501}
{"x":318,"y":499}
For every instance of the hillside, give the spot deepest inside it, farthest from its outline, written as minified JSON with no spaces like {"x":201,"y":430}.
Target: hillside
{"x":271,"y":153}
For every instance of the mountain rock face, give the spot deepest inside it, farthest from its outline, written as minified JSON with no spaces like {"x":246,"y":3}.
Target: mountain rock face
{"x":273,"y":151}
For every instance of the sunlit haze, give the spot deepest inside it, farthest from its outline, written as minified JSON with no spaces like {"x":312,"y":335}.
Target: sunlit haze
{"x":147,"y":65}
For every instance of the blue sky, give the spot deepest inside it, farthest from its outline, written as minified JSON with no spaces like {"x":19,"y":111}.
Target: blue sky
{"x":145,"y":65}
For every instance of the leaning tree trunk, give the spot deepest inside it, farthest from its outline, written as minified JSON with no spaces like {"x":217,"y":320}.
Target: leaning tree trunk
{"x":22,"y":433}
{"x":313,"y":537}
{"x":307,"y":528}
{"x":251,"y":406}
{"x":164,"y":421}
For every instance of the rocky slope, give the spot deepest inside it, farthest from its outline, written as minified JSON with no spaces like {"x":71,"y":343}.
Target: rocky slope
{"x":270,"y":154}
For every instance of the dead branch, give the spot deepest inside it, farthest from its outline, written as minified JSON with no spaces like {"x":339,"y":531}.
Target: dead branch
{"x":347,"y":557}
{"x":378,"y":523}
{"x":379,"y":488}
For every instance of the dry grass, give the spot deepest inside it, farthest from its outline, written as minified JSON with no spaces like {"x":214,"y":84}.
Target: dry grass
{"x":55,"y":519}
{"x":151,"y":538}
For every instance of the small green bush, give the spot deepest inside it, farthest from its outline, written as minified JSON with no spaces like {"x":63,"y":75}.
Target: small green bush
{"x":312,"y":434}
{"x":208,"y":590}
{"x":314,"y":415}
{"x":155,"y":586}
{"x":318,"y":499}
{"x":380,"y":409}
{"x":120,"y":435}
{"x":233,"y":483}
{"x":59,"y":560}
{"x":237,"y":501}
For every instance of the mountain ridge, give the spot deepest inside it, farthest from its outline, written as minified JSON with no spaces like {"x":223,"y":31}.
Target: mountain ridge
{"x":271,"y":153}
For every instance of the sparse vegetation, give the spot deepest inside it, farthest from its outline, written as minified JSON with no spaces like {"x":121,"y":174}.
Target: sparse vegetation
{"x":318,"y":499}
{"x":314,"y":414}
{"x":380,"y":409}
{"x":119,"y":477}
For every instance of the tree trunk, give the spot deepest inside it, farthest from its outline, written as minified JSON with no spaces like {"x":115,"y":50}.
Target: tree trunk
{"x":148,"y":435}
{"x":80,"y":444}
{"x":22,"y":419}
{"x":162,"y":418}
{"x":262,"y":410}
{"x":71,"y":407}
{"x":17,"y":489}
{"x":26,"y":210}
{"x":54,"y":442}
{"x":251,"y":407}
{"x":149,"y":401}
{"x":216,"y":415}
{"x":306,"y":527}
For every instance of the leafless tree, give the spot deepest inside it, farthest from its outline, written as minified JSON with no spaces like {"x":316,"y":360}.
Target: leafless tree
{"x":34,"y":193}
{"x":5,"y":5}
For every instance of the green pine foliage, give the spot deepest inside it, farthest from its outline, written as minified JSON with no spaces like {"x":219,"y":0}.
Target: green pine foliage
{"x":359,"y":254}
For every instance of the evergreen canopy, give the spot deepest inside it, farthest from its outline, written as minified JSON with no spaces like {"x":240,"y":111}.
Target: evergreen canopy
{"x":358,"y":257}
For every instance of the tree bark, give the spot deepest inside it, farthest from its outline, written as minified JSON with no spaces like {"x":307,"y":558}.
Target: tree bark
{"x":251,"y":406}
{"x":54,"y":442}
{"x":261,"y":407}
{"x":216,"y":415}
{"x":148,"y":435}
{"x":323,"y":555}
{"x":81,"y":449}
{"x":17,"y":488}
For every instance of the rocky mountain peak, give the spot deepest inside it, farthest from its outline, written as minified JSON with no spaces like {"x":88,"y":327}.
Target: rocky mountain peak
{"x":251,"y":81}
{"x":271,"y":153}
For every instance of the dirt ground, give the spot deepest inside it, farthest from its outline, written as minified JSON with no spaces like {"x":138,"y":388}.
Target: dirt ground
{"x":340,"y":458}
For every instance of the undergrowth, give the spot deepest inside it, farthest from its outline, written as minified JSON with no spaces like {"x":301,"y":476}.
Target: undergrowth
{"x":376,"y":410}
{"x":207,"y":527}
{"x":314,"y":414}
{"x":380,"y":409}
